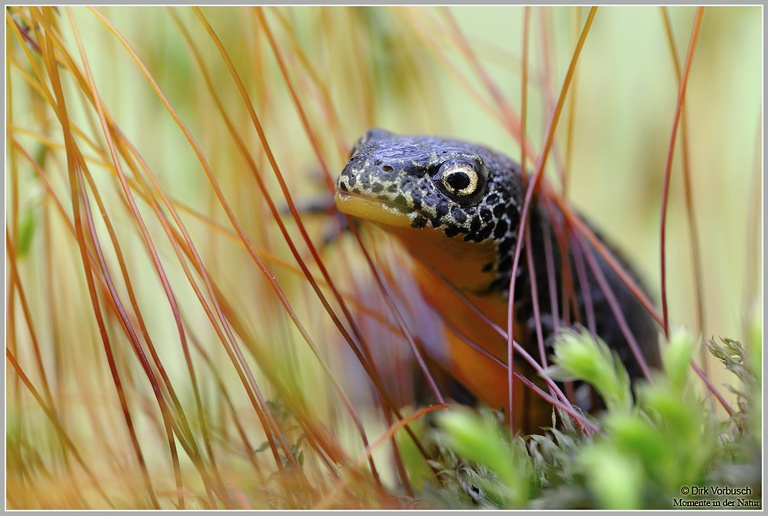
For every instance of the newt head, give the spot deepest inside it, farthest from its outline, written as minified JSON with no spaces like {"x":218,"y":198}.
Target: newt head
{"x":454,"y":205}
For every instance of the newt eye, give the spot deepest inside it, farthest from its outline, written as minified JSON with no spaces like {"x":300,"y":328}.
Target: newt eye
{"x":459,"y":178}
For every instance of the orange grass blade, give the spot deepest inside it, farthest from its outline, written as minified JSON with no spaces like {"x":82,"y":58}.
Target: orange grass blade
{"x":300,"y":225}
{"x":698,"y":276}
{"x":328,"y":499}
{"x":236,"y":225}
{"x":532,"y":187}
{"x":61,"y":111}
{"x":683,"y":85}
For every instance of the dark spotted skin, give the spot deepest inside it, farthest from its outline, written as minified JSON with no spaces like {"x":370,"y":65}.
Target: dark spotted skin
{"x":404,"y":172}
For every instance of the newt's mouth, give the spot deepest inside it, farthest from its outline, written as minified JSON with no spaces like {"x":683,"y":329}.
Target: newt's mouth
{"x":375,"y":210}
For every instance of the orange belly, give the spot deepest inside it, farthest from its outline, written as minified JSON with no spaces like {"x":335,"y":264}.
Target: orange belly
{"x":483,"y":371}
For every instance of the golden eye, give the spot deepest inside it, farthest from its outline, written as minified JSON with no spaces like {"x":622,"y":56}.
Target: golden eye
{"x":459,"y":179}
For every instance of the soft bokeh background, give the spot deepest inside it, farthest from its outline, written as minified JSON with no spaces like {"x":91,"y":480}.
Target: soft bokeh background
{"x":401,"y":68}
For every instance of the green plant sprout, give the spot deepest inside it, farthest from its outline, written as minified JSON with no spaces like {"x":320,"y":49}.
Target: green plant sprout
{"x":651,"y":448}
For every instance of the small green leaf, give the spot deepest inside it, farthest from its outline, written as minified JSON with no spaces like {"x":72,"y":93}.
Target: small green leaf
{"x":263,"y":446}
{"x":676,"y":357}
{"x":582,"y":356}
{"x":615,"y":479}
{"x":414,"y":461}
{"x":479,"y":439}
{"x":634,"y":434}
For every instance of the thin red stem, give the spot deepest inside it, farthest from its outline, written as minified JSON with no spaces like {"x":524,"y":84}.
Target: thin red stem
{"x":532,"y":188}
{"x":668,"y":167}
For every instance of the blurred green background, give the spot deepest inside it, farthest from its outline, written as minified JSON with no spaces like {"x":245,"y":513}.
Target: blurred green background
{"x":405,"y":69}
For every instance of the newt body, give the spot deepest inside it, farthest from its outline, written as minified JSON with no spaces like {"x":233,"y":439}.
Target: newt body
{"x":456,"y":207}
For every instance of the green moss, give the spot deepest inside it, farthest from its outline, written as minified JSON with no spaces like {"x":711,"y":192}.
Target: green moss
{"x":647,"y":453}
